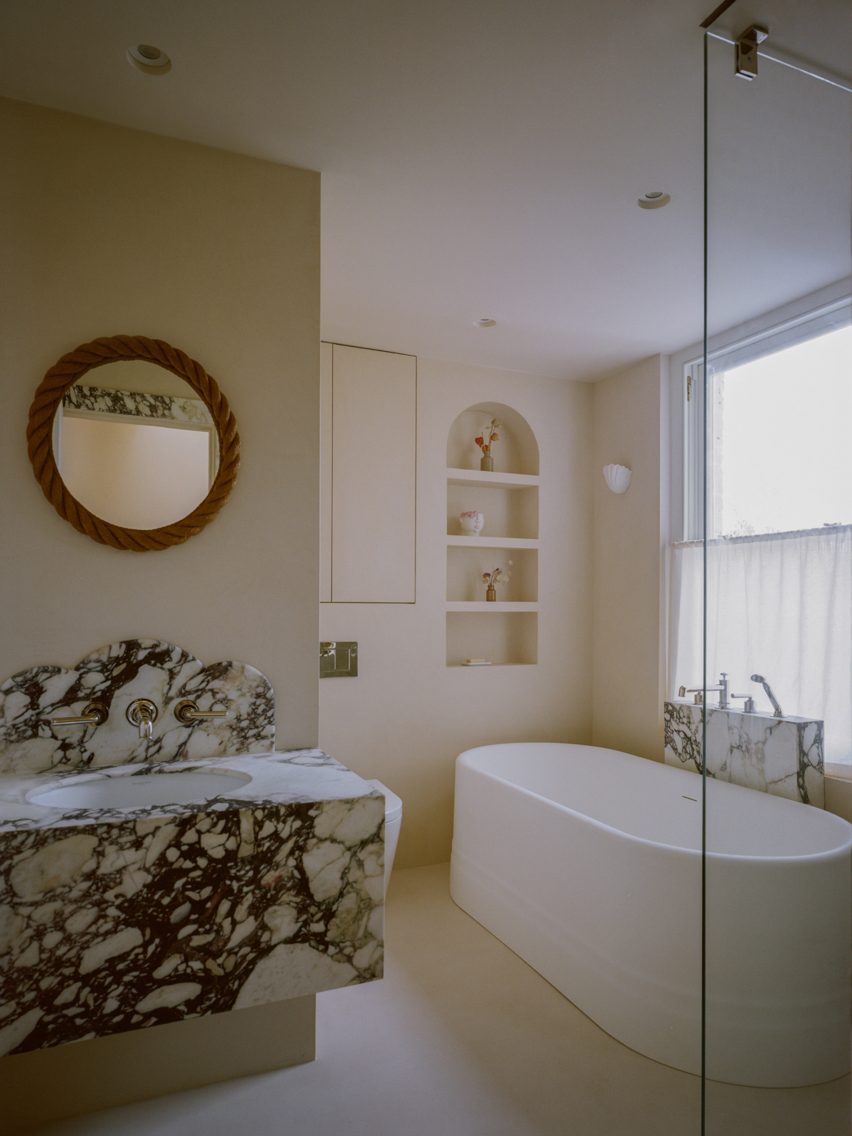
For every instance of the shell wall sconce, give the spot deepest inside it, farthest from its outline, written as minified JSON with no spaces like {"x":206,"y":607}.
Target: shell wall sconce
{"x":617,"y":477}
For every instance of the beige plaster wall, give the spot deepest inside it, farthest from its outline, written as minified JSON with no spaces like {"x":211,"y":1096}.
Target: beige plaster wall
{"x":105,"y":231}
{"x":630,"y":428}
{"x":407,"y":715}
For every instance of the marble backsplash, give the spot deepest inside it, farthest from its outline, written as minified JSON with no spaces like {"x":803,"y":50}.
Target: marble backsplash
{"x":115,"y":675}
{"x":782,"y":756}
{"x":137,"y":404}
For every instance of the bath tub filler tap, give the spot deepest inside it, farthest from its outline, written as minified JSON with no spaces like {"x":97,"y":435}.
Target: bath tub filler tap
{"x":700,"y":691}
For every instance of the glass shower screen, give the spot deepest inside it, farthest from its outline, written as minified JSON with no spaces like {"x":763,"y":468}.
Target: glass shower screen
{"x":774,"y":563}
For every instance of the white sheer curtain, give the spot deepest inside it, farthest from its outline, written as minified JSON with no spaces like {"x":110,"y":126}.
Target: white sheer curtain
{"x":779,"y":605}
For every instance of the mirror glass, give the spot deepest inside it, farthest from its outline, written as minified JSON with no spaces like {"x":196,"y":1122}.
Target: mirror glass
{"x":135,"y":444}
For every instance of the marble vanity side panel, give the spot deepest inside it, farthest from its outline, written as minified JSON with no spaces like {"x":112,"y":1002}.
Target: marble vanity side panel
{"x":112,"y":927}
{"x":116,"y":675}
{"x":782,"y":756}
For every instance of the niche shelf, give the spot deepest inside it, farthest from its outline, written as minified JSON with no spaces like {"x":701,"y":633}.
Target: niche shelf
{"x":491,"y":542}
{"x":504,"y":632}
{"x":491,"y":608}
{"x":465,"y":567}
{"x":505,"y":638}
{"x":484,"y":480}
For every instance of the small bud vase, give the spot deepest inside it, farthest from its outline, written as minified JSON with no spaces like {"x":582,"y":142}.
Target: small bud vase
{"x":491,"y":593}
{"x":486,"y":462}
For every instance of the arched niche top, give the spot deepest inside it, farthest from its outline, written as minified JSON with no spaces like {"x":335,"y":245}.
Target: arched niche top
{"x":515,"y":452}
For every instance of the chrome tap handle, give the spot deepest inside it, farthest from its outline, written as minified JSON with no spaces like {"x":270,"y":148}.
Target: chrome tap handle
{"x":748,"y":704}
{"x":698,"y":691}
{"x":95,"y":714}
{"x":142,"y":713}
{"x":187,"y":712}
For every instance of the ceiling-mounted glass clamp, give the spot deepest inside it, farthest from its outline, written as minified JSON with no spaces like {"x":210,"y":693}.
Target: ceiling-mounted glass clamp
{"x":747,"y":46}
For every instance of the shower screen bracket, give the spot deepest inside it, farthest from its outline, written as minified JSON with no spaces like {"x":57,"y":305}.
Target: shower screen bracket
{"x":747,"y":46}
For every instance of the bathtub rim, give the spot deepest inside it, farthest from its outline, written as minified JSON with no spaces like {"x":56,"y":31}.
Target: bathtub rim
{"x":481,"y":891}
{"x":839,"y":851}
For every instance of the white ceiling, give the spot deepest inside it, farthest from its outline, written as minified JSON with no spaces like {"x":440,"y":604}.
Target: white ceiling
{"x":478,"y":159}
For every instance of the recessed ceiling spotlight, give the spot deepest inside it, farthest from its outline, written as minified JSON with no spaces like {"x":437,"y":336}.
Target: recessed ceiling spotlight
{"x":149,"y":59}
{"x":653,"y":199}
{"x":486,"y":321}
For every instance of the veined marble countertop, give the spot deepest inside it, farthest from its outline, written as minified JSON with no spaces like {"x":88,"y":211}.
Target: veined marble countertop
{"x":279,"y":778}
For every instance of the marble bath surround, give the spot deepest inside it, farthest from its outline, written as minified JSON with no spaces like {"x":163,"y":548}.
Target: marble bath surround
{"x":782,"y":756}
{"x":115,"y":919}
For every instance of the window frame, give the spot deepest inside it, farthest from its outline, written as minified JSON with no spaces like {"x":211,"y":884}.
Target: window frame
{"x":802,"y":319}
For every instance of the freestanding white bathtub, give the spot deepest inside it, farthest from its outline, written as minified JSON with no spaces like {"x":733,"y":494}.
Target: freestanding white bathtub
{"x":587,"y":863}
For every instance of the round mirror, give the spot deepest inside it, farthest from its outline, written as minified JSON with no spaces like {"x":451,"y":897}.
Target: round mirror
{"x":132,"y":442}
{"x":135,"y":445}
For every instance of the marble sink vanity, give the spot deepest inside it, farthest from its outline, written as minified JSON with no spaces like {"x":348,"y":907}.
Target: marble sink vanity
{"x":116,"y":918}
{"x":196,"y":872}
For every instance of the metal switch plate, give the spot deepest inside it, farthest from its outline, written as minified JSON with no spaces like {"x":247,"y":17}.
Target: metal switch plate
{"x":338,"y":659}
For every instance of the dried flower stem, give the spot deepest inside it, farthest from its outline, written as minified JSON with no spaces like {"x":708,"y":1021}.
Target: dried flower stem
{"x":497,"y":576}
{"x":489,"y":435}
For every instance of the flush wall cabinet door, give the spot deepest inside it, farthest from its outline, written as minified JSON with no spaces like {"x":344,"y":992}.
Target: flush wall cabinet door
{"x":369,"y":431}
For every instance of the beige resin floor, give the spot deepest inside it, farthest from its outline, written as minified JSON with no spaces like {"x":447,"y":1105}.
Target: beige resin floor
{"x":463,"y":1039}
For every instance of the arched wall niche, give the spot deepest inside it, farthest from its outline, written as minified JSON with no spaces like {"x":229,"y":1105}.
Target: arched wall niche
{"x":496,"y":626}
{"x":515,"y":452}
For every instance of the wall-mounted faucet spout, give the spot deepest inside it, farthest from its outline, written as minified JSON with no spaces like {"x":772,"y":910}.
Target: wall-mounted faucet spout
{"x":776,"y":707}
{"x":142,"y":713}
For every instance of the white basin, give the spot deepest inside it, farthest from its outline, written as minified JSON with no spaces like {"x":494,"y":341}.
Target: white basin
{"x":193,"y":786}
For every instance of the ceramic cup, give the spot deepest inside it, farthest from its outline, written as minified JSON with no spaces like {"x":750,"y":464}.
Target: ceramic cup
{"x":471,"y":522}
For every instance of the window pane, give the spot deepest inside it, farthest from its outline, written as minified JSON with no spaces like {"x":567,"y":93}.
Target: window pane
{"x":782,"y":440}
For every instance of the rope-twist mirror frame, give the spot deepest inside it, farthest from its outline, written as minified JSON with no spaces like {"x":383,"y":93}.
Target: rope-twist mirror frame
{"x":47,"y":399}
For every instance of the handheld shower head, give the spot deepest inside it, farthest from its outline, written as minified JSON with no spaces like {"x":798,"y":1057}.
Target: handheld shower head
{"x":776,"y":706}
